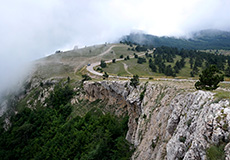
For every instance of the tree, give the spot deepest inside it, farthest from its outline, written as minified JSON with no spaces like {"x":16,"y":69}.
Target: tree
{"x":103,"y":64}
{"x":169,"y":71}
{"x":198,"y":62}
{"x":134,"y":81}
{"x":209,"y":79}
{"x":114,"y":60}
{"x":60,"y":95}
{"x":161,"y":67}
{"x":178,"y":65}
{"x":105,"y":75}
{"x":176,"y":69}
{"x":127,"y":58}
{"x":182,"y":62}
{"x":191,"y":62}
{"x":121,"y":56}
{"x":227,"y":72}
{"x":191,"y":74}
{"x":152,"y":66}
{"x":195,"y":69}
{"x":86,"y":78}
{"x":141,"y":60}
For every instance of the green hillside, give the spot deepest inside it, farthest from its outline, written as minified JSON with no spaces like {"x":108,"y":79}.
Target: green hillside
{"x":205,"y":39}
{"x":170,"y":62}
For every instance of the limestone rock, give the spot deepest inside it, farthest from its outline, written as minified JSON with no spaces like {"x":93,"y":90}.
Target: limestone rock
{"x":169,"y":122}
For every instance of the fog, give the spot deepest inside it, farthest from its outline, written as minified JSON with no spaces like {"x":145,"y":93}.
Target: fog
{"x":33,"y":29}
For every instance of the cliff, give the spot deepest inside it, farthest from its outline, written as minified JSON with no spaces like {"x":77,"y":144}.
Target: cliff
{"x":167,"y":121}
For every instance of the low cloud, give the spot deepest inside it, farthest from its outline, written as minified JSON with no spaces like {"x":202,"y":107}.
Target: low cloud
{"x":32,"y":29}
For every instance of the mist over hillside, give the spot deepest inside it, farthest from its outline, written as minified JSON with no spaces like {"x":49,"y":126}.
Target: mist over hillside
{"x":204,"y":39}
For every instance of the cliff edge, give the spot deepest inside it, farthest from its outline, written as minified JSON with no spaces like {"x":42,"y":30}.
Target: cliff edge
{"x":167,"y":121}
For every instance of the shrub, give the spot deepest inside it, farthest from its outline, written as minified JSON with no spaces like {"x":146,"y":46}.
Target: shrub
{"x":209,"y":79}
{"x":153,"y":145}
{"x":189,"y":122}
{"x":86,"y":78}
{"x":142,"y":94}
{"x":182,"y":139}
{"x":141,"y":60}
{"x":134,"y":81}
{"x":105,"y":75}
{"x":60,"y":95}
{"x":103,"y":64}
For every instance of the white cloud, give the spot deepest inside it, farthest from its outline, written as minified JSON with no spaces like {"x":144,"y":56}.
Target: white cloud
{"x":32,"y":29}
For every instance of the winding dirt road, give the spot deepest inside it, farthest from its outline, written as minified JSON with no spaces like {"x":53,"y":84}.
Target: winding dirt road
{"x":90,"y":69}
{"x":126,"y":68}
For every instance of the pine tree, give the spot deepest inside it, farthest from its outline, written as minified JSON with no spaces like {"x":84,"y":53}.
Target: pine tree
{"x":191,"y":62}
{"x":103,"y":64}
{"x":227,"y":72}
{"x":134,"y":81}
{"x":152,"y":66}
{"x":209,"y":79}
{"x":105,"y":75}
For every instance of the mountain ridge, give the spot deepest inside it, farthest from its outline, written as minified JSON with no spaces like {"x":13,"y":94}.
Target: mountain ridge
{"x":204,"y":39}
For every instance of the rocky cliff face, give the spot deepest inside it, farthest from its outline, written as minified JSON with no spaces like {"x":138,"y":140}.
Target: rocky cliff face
{"x":166,"y":121}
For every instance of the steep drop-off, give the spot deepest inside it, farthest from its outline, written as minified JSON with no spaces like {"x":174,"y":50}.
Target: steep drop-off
{"x":166,"y":121}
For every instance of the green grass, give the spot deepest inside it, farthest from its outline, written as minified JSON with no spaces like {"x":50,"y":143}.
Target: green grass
{"x":225,"y":85}
{"x":116,"y":51}
{"x":48,"y":70}
{"x":83,"y":52}
{"x":64,"y":64}
{"x":133,"y":67}
{"x":222,"y":95}
{"x":144,"y":70}
{"x":185,"y":72}
{"x":220,"y":51}
{"x":177,"y":58}
{"x":215,"y":152}
{"x":140,"y":69}
{"x":122,"y":50}
{"x":116,"y":69}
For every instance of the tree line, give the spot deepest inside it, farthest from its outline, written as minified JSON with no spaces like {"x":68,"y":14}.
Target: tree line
{"x":196,"y":59}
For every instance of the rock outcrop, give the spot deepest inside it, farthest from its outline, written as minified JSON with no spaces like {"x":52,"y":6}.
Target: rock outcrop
{"x":166,"y":121}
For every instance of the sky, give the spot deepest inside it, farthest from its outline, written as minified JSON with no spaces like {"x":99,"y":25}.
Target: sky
{"x":33,"y":29}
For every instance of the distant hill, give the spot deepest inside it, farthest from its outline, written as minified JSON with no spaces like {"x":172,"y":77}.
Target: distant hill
{"x":205,"y":39}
